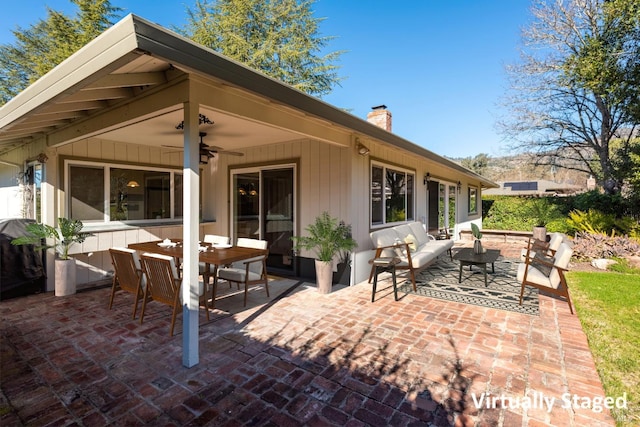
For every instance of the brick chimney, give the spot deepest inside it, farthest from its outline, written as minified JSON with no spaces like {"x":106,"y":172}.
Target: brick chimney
{"x":380,"y":117}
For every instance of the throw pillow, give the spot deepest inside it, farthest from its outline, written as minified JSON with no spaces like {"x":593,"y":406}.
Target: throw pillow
{"x":412,"y":242}
{"x":539,"y":245}
{"x":544,"y":267}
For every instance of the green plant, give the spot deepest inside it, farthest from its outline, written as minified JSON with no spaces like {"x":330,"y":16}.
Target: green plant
{"x":599,"y":245}
{"x":69,"y":231}
{"x":475,"y":230}
{"x":597,"y":222}
{"x":623,"y":265}
{"x":542,"y":212}
{"x":327,"y":238}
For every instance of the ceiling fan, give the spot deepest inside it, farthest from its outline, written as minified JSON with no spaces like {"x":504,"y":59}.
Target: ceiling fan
{"x":208,"y":151}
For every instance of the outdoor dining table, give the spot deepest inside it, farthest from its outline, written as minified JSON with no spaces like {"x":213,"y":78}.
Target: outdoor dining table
{"x":215,"y":256}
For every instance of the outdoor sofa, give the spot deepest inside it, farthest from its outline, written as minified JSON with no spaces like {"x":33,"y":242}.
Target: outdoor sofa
{"x":409,"y":242}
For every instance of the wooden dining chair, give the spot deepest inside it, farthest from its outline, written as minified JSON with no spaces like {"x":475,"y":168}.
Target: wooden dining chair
{"x":215,"y":239}
{"x":163,"y":284}
{"x":252,"y":271}
{"x":128,"y":275}
{"x":212,"y":239}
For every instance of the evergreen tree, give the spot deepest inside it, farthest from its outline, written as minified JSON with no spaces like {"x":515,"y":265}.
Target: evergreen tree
{"x":278,"y":37}
{"x":48,"y":42}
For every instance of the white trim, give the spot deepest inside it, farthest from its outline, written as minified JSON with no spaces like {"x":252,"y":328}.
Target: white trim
{"x":385,"y":167}
{"x":259,"y":170}
{"x":106,"y":168}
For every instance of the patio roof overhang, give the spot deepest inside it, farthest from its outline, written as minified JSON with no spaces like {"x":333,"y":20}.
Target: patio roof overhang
{"x":136,"y":60}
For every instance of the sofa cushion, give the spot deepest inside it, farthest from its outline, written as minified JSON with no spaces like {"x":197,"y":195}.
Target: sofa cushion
{"x":418,"y":230}
{"x":420,"y":259}
{"x":534,"y":276}
{"x":382,"y":238}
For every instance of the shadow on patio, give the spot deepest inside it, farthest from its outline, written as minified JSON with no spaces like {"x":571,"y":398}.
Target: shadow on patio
{"x":302,"y":359}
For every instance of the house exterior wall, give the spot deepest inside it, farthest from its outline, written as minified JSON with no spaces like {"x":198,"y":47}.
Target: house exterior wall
{"x":330,"y":178}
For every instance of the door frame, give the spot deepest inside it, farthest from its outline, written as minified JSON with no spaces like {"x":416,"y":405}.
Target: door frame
{"x":259,"y":168}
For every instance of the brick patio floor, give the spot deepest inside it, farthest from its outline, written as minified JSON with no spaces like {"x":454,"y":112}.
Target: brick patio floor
{"x":299,"y":359}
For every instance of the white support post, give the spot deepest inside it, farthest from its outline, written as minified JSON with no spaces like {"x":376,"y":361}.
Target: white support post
{"x":190,"y":235}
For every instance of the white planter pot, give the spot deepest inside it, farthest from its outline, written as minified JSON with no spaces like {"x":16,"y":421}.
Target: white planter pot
{"x":324,"y":276}
{"x":540,"y":233}
{"x":65,"y":277}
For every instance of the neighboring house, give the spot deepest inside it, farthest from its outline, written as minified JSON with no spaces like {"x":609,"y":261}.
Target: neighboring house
{"x":534,"y":188}
{"x":101,"y":137}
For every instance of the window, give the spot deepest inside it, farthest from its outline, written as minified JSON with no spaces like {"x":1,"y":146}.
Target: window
{"x":392,"y":197}
{"x":103,"y":193}
{"x":473,"y":200}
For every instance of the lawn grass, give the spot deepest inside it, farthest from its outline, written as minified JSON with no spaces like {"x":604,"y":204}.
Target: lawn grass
{"x":608,"y":305}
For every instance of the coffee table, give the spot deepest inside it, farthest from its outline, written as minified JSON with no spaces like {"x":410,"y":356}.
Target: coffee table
{"x":466,"y":256}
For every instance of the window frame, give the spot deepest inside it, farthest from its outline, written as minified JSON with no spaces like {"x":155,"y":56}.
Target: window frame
{"x":388,"y":166}
{"x":472,"y":194}
{"x":106,"y":169}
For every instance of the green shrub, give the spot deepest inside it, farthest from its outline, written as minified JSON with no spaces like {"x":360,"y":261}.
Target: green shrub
{"x":612,"y":204}
{"x":523,"y":213}
{"x":594,"y":222}
{"x":623,"y":266}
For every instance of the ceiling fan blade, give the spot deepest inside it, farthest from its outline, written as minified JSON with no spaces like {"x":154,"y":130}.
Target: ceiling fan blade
{"x":223,"y":151}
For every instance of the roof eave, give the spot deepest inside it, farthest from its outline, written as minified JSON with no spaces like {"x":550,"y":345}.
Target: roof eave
{"x":134,"y":36}
{"x":105,"y":53}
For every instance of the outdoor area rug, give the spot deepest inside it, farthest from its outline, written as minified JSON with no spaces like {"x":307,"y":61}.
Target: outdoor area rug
{"x":440,"y":281}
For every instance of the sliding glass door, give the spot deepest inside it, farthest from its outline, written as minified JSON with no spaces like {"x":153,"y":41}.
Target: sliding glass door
{"x":264,"y":208}
{"x":442,"y":207}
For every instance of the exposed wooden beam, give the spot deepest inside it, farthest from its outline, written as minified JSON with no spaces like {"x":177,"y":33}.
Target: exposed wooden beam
{"x":122,"y":114}
{"x":74,"y":106}
{"x":129,"y":80}
{"x":97,"y":95}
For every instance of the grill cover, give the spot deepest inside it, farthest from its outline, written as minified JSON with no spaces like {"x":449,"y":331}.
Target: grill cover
{"x":22,"y":270}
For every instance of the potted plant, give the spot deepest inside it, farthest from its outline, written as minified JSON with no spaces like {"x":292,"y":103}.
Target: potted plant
{"x":327,"y":238}
{"x":540,"y":211}
{"x":343,"y":273}
{"x":69,"y":231}
{"x":477,"y":244}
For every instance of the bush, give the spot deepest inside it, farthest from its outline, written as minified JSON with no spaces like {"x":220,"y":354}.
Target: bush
{"x":594,"y":221}
{"x":523,"y":213}
{"x":587,"y":246}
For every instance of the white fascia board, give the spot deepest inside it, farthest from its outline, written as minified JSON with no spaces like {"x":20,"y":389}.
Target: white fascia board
{"x":105,"y":53}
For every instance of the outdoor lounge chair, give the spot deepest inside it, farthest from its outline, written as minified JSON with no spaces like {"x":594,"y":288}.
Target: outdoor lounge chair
{"x":249,"y":272}
{"x":127,"y":275}
{"x":163,"y":284}
{"x":548,"y":248}
{"x":546,"y":273}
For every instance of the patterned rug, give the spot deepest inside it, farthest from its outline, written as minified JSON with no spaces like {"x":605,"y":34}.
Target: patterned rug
{"x":440,"y":281}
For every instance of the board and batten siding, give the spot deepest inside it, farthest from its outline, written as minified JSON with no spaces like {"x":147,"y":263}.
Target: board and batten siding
{"x":323,"y":178}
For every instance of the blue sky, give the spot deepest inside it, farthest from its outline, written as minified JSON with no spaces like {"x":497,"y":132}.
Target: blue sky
{"x":437,"y":65}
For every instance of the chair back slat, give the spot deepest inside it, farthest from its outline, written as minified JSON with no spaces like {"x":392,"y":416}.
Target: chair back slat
{"x":127,"y":276}
{"x":162,"y":277}
{"x":127,"y":270}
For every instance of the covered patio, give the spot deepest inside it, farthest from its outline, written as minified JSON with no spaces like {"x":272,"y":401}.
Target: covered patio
{"x":300,"y":359}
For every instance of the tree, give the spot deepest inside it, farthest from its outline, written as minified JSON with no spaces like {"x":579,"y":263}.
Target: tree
{"x":279,"y":38}
{"x":48,"y":42}
{"x":478,"y":164}
{"x":577,"y":86}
